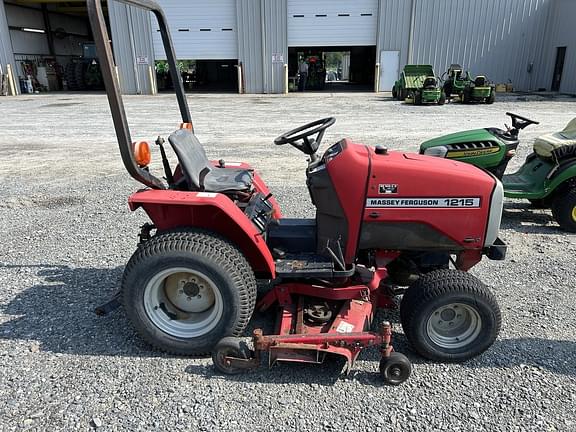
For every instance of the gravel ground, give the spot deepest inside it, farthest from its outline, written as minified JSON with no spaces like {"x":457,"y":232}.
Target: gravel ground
{"x":67,"y":232}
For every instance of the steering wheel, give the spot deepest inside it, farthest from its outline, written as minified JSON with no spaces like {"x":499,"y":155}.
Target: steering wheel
{"x":519,"y":122}
{"x":308,"y":145}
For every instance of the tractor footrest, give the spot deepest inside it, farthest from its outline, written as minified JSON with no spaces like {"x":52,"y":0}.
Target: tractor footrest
{"x":497,"y":251}
{"x":309,"y":265}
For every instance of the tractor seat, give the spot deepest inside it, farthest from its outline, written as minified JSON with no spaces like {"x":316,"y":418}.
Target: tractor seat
{"x":544,"y":145}
{"x":429,"y":83}
{"x":200,"y":173}
{"x":480,"y":81}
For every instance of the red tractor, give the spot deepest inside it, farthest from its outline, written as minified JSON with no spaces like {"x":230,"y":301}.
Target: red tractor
{"x":384,"y":220}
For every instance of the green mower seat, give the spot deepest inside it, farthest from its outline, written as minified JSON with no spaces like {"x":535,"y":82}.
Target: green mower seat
{"x":544,"y":145}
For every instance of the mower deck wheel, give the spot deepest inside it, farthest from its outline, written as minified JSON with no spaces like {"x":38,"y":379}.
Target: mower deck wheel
{"x":564,"y":210}
{"x":449,"y":316}
{"x":185,"y":290}
{"x":395,"y":369}
{"x":230,"y":347}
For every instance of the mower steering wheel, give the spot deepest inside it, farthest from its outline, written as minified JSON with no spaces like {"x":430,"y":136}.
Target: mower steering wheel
{"x":308,"y":145}
{"x":519,"y":122}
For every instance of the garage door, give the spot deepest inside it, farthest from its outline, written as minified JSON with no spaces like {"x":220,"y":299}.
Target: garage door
{"x":332,"y":22}
{"x":201,"y":30}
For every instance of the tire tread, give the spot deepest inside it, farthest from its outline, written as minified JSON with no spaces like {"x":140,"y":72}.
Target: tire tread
{"x":211,"y":246}
{"x":436,"y":284}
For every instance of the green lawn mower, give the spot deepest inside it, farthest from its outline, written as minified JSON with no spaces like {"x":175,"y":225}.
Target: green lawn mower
{"x":418,"y":84}
{"x":459,"y":82}
{"x":548,"y":176}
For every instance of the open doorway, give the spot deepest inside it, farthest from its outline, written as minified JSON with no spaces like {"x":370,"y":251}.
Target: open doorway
{"x":200,"y":75}
{"x":335,"y":69}
{"x":558,"y":68}
{"x":53,"y":46}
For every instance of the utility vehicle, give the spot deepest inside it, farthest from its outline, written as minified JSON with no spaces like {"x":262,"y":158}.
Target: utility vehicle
{"x":459,"y":82}
{"x":383,"y":220}
{"x":418,"y":84}
{"x":548,"y":176}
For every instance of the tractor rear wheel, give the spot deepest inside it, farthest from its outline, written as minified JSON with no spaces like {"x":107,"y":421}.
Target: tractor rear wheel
{"x":449,"y":316}
{"x":564,"y":210}
{"x":490,"y":99}
{"x":184,"y":291}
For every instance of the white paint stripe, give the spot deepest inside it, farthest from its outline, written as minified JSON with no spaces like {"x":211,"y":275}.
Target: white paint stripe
{"x":424,"y":202}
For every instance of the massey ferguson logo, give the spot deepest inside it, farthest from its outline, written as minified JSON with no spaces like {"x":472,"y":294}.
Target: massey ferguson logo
{"x":387,"y":188}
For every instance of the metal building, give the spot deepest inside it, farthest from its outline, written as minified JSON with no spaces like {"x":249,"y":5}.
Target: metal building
{"x":254,"y":46}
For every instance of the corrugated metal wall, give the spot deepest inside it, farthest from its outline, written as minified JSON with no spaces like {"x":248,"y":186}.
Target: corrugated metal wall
{"x":499,"y":39}
{"x":262,"y":44}
{"x":249,"y":24}
{"x":131,"y":39}
{"x":275,"y":44}
{"x":6,"y":53}
{"x":394,"y":28}
{"x":560,"y":32}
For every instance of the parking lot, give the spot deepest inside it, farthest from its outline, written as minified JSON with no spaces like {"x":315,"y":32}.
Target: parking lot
{"x":66,"y":233}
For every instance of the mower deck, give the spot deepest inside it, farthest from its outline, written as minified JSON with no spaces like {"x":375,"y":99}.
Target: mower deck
{"x":315,"y":321}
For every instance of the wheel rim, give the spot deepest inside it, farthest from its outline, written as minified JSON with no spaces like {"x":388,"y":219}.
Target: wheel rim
{"x":225,"y":365}
{"x":183,"y":302}
{"x":395,"y":373}
{"x":454,"y":325}
{"x":574,"y":213}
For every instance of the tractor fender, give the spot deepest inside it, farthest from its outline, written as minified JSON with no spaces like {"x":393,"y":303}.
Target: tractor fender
{"x":169,"y":209}
{"x":565,"y":176}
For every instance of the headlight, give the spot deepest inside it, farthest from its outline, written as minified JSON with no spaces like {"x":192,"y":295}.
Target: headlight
{"x":495,"y":217}
{"x":439,"y":151}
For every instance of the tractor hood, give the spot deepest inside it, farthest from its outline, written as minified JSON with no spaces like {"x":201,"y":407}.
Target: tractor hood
{"x":474,"y":135}
{"x":489,"y":148}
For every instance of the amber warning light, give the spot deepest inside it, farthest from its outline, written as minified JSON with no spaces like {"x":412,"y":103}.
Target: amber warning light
{"x":142,"y":154}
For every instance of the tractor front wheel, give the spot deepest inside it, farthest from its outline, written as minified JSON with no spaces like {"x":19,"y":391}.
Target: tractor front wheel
{"x":449,"y":316}
{"x":184,"y":291}
{"x":564,"y":210}
{"x":402,"y":94}
{"x":417,"y":98}
{"x":442,"y":99}
{"x":394,"y":93}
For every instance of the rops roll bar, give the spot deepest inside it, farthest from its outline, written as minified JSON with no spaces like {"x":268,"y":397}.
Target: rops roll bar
{"x":110,"y":79}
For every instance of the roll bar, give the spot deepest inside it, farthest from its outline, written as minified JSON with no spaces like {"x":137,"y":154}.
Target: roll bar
{"x":110,"y":79}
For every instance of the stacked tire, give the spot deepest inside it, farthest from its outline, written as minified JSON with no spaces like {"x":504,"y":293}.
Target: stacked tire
{"x":70,"y":76}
